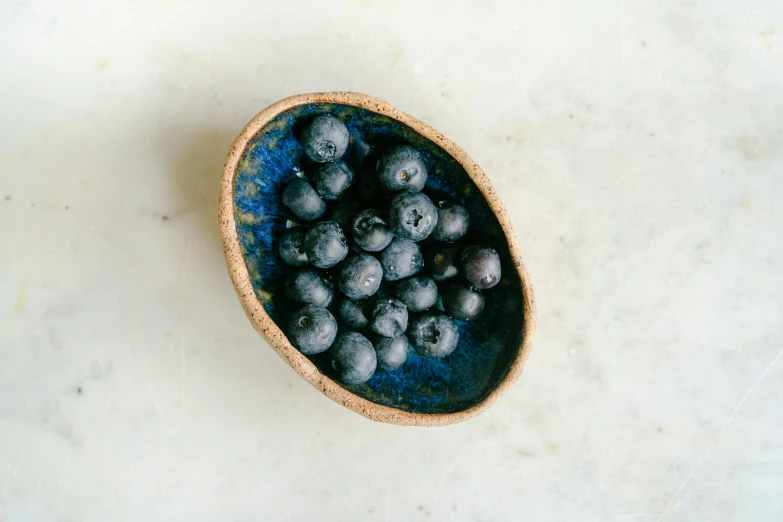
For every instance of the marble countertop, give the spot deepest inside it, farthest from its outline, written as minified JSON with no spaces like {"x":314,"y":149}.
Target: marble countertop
{"x":639,"y":149}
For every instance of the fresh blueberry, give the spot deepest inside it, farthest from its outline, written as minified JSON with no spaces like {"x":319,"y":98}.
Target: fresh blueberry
{"x":291,"y":247}
{"x":453,"y":222}
{"x":344,"y":212}
{"x":312,"y":329}
{"x":355,"y":314}
{"x":412,"y":216}
{"x":325,"y":139}
{"x":325,"y":244}
{"x":417,"y":293}
{"x":333,"y":179}
{"x":392,"y":352}
{"x":302,"y":199}
{"x":353,"y":358}
{"x":480,"y":266}
{"x":389,"y":318}
{"x":434,"y":335}
{"x":462,"y":303}
{"x":442,"y":261}
{"x":370,"y":231}
{"x":360,"y":276}
{"x":402,"y":258}
{"x":309,"y":287}
{"x":402,"y":168}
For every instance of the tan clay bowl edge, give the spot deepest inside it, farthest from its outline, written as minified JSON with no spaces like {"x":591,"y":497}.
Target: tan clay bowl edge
{"x":277,"y":339}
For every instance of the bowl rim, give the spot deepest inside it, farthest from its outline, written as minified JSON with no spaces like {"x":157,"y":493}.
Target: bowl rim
{"x":265,"y":326}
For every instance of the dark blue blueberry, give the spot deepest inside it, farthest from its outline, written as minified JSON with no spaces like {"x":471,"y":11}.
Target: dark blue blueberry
{"x":360,"y":276}
{"x":344,"y":212}
{"x":353,"y":358}
{"x":325,"y":139}
{"x":442,"y":261}
{"x":401,"y":259}
{"x":412,"y":216}
{"x":333,"y":179}
{"x":402,"y":168}
{"x":392,"y":352}
{"x":309,"y":287}
{"x":434,"y":335}
{"x":355,"y":314}
{"x":480,"y":266}
{"x":303,"y":201}
{"x":417,"y":293}
{"x":461,"y":302}
{"x":370,"y":231}
{"x":312,"y":329}
{"x":389,"y":318}
{"x":325,"y":244}
{"x":453,"y":222}
{"x":291,"y":247}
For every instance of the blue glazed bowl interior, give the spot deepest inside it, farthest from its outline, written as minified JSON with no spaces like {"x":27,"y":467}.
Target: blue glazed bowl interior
{"x":487,"y":346}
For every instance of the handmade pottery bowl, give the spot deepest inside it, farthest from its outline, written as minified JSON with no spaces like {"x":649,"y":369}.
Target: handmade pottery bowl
{"x":492,"y":350}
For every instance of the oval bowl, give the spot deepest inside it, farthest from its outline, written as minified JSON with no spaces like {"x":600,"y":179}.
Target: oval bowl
{"x":425,"y":392}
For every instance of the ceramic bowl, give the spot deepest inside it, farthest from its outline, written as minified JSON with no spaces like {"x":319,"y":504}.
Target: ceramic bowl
{"x":492,"y":350}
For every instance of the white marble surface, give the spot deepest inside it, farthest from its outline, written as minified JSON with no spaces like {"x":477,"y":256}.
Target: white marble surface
{"x":639,"y":147}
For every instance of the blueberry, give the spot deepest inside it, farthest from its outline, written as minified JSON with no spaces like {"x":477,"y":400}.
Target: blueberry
{"x":462,"y":303}
{"x":402,"y":168}
{"x":325,"y":244}
{"x":480,"y":266}
{"x":389,"y":318}
{"x":402,"y":258}
{"x":355,"y":314}
{"x":442,"y":260}
{"x":353,"y":358}
{"x":344,"y":212}
{"x":392,"y":352}
{"x":333,"y":179}
{"x":360,"y":276}
{"x":370,"y":231}
{"x":302,"y":199}
{"x":325,"y":139}
{"x":412,"y":216}
{"x":309,"y":287}
{"x":291,"y":247}
{"x":312,"y":329}
{"x":453,"y":222}
{"x":417,"y":293}
{"x":434,"y":335}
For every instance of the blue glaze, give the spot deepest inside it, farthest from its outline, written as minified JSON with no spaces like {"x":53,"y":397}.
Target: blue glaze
{"x":487,"y":346}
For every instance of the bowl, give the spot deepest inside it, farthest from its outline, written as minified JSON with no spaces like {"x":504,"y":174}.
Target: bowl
{"x":492,"y":350}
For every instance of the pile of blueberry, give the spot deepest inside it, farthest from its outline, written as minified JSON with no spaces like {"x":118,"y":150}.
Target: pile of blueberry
{"x":377,"y":271}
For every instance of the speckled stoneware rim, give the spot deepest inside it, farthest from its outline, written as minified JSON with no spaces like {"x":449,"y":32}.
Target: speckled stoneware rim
{"x":277,"y":339}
